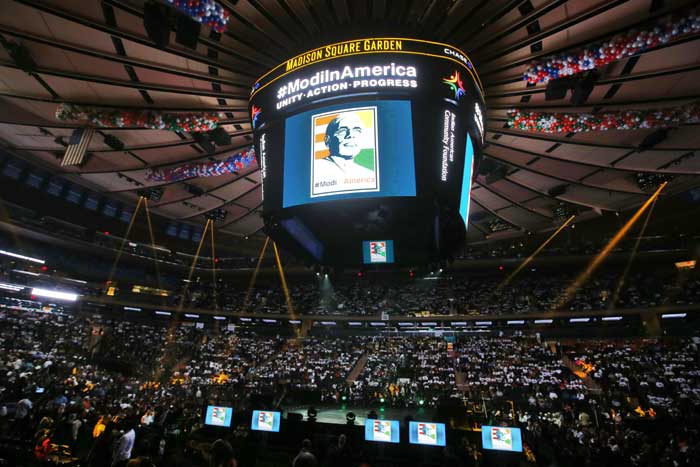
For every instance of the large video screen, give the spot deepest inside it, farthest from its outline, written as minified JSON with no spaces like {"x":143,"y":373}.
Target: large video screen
{"x":430,"y":434}
{"x":264,"y":420}
{"x":358,"y":150}
{"x":384,"y":431}
{"x":501,"y":438}
{"x":378,"y":251}
{"x":218,"y":416}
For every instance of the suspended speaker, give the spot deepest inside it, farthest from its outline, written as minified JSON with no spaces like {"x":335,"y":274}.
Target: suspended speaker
{"x":155,"y":21}
{"x":220,"y":136}
{"x":187,"y":32}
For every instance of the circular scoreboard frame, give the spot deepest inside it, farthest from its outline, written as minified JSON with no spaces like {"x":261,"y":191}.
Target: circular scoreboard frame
{"x":425,"y":106}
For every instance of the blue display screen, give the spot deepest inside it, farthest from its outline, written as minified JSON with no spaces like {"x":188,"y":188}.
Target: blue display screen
{"x":218,"y":416}
{"x":264,"y":420}
{"x":358,"y":150}
{"x":378,"y":251}
{"x":384,"y":431}
{"x":464,"y":200}
{"x":430,"y":434}
{"x":501,"y":438}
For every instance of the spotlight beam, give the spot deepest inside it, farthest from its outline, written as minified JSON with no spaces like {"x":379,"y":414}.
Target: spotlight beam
{"x":621,"y":282}
{"x":255,"y":274}
{"x":288,"y":297}
{"x":126,"y":235}
{"x":583,"y":277}
{"x":213,"y":264}
{"x":535,"y":253}
{"x":153,"y":243}
{"x":194,"y":263}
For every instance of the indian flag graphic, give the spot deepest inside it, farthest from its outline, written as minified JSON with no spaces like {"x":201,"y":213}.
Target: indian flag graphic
{"x":382,"y":430}
{"x":501,"y":438}
{"x":344,"y":151}
{"x":427,"y":433}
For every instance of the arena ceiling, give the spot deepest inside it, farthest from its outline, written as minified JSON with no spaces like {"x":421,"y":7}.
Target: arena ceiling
{"x":97,"y":53}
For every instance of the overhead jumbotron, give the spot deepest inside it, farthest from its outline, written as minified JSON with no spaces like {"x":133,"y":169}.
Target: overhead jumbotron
{"x":368,"y":149}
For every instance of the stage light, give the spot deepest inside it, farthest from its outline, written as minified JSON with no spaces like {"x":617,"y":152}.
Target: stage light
{"x":673,"y":315}
{"x":311,"y":414}
{"x":71,"y":297}
{"x":381,"y":400}
{"x":421,"y":402}
{"x":350,"y":418}
{"x":344,"y":398}
{"x":217,"y":215}
{"x":151,"y":194}
{"x":18,"y":256}
{"x":501,"y":268}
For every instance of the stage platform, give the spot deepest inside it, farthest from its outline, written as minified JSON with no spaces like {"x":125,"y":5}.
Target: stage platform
{"x":336,"y":415}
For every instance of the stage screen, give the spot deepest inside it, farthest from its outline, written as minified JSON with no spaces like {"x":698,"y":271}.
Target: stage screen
{"x":378,"y":251}
{"x":354,"y":150}
{"x":430,"y":434}
{"x":385,"y":431}
{"x":264,"y":420}
{"x":218,"y":416}
{"x":501,"y":438}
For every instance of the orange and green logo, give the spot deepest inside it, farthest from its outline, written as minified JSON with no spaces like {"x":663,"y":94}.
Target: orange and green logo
{"x":254,"y":114}
{"x":455,"y":83}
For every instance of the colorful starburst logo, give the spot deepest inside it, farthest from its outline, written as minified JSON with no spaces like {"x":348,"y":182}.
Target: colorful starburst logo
{"x":455,"y":83}
{"x":254,"y":114}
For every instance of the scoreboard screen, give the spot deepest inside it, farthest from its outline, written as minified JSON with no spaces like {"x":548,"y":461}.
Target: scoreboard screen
{"x":354,"y":136}
{"x":342,"y":152}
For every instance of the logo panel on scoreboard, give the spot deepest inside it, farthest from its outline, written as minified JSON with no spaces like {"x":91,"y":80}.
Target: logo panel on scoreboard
{"x":344,"y":152}
{"x":377,"y":252}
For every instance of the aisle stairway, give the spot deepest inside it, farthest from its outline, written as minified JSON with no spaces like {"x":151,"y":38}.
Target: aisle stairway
{"x":357,"y":369}
{"x":591,"y":385}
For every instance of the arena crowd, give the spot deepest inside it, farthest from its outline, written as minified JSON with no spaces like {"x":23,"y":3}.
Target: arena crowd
{"x":110,"y":391}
